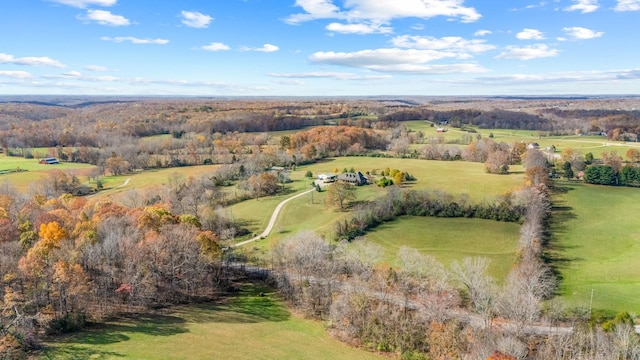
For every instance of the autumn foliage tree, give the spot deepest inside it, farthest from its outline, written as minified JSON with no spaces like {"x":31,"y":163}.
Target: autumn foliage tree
{"x":263,"y":184}
{"x":339,"y":193}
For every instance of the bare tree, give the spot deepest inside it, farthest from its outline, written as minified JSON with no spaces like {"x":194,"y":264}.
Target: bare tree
{"x":481,"y":288}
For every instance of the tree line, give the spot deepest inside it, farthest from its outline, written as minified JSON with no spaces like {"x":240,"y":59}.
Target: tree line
{"x":399,"y":202}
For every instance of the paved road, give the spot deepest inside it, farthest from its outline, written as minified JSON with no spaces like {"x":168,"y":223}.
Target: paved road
{"x":272,"y":222}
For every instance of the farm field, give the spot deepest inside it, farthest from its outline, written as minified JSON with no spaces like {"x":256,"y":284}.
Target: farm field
{"x":585,"y":144}
{"x":34,"y":170}
{"x":246,"y":326}
{"x":596,"y":246}
{"x":146,"y":180}
{"x":455,"y":177}
{"x":451,"y":240}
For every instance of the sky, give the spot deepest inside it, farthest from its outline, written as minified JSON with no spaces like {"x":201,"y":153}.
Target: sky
{"x":319,"y":47}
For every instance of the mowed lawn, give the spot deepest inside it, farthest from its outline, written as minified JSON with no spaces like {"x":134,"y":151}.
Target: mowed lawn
{"x":585,"y":144}
{"x":245,"y":326}
{"x":596,"y":246}
{"x":456,"y":177}
{"x":451,"y":239}
{"x":305,"y":213}
{"x":32,"y":171}
{"x":153,"y":179}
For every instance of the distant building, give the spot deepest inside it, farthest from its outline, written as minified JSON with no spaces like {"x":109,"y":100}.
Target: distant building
{"x":354,"y":178}
{"x":49,"y":161}
{"x":327,"y":178}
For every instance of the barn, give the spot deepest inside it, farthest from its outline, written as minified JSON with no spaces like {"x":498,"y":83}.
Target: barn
{"x":49,"y":161}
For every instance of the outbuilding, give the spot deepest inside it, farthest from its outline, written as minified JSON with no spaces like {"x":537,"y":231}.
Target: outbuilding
{"x":49,"y":161}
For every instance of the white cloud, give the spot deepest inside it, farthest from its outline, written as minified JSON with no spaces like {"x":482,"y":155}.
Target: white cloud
{"x":329,"y":75}
{"x":564,"y":77}
{"x":628,"y":5}
{"x":585,"y":6}
{"x":288,"y":82}
{"x":15,"y":74}
{"x":528,"y":52}
{"x":533,"y":6}
{"x":315,"y":9}
{"x":482,"y":33}
{"x":72,"y":74}
{"x":376,"y":57}
{"x":431,"y":69}
{"x":447,"y":43}
{"x":215,"y":46}
{"x":383,"y":11}
{"x":29,"y":61}
{"x":580,"y":33}
{"x":361,"y":28}
{"x":96,"y":68}
{"x":106,"y":78}
{"x":84,"y":3}
{"x":135,"y":40}
{"x":267,"y":48}
{"x":395,"y":60}
{"x":104,"y":17}
{"x":195,"y":19}
{"x":530,"y":34}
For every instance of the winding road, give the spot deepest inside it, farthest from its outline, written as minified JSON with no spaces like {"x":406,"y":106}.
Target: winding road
{"x":272,"y":221}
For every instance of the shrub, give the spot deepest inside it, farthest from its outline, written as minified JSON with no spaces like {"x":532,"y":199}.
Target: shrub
{"x":66,"y":324}
{"x":384,"y":182}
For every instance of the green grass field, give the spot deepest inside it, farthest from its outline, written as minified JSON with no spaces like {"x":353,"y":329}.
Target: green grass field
{"x":449,"y":240}
{"x":31,"y":170}
{"x":455,"y":177}
{"x":585,"y":144}
{"x":245,"y":326}
{"x":597,"y":245}
{"x":452,"y":176}
{"x":150,"y":179}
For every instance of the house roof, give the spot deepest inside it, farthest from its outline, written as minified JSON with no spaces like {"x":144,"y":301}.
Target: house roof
{"x":357,"y":177}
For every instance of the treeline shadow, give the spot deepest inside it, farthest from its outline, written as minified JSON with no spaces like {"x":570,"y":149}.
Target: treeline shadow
{"x":251,"y":303}
{"x":78,"y":352}
{"x":554,"y":252}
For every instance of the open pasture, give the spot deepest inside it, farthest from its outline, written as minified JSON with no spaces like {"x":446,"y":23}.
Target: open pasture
{"x":150,"y":179}
{"x":456,"y":177}
{"x":310,"y":212}
{"x":246,"y":326}
{"x":585,"y":144}
{"x":451,"y":239}
{"x":31,"y":170}
{"x":596,"y":246}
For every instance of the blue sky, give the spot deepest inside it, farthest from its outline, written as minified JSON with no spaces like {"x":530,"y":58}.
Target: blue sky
{"x":319,"y":47}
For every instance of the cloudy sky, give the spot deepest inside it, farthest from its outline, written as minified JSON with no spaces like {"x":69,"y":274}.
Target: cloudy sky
{"x":319,"y":47}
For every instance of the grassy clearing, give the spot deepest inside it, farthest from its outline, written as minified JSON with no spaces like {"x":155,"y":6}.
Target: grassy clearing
{"x":453,"y":239}
{"x":585,"y":144}
{"x":446,"y":239}
{"x":13,"y":162}
{"x":32,"y":171}
{"x":454,"y":177}
{"x":245,"y":326}
{"x":150,"y":179}
{"x":596,"y":245}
